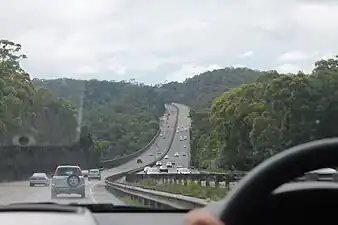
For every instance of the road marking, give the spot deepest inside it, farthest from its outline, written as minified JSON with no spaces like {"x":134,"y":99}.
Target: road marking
{"x":91,"y":193}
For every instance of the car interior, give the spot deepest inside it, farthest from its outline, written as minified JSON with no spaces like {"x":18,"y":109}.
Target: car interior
{"x":263,"y":196}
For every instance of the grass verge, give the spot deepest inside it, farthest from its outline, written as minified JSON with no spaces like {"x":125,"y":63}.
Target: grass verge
{"x":192,"y":189}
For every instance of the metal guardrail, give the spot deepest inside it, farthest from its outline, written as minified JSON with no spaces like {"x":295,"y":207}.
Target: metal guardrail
{"x":119,"y":161}
{"x":162,"y":198}
{"x":205,"y":179}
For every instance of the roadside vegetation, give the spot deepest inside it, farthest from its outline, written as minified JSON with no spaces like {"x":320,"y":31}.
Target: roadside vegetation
{"x":192,"y":189}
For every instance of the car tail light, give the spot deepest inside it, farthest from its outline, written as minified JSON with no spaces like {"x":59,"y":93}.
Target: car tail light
{"x":56,"y":172}
{"x":80,"y":172}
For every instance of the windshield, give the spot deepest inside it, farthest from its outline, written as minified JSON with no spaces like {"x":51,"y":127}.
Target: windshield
{"x":212,"y":87}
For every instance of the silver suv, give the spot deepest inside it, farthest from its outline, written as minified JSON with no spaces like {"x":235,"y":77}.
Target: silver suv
{"x":68,"y":180}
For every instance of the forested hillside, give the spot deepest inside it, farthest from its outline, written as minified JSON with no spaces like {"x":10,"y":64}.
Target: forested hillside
{"x":199,"y":91}
{"x":254,"y":121}
{"x":122,"y":116}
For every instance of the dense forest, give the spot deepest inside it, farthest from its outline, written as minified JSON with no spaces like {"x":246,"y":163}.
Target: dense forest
{"x":248,"y":124}
{"x":122,"y":116}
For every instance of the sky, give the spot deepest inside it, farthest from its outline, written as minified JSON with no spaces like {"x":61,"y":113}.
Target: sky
{"x":155,"y":41}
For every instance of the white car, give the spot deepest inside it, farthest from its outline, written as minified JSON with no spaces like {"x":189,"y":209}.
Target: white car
{"x":321,"y":174}
{"x":94,"y":174}
{"x":185,"y":137}
{"x":39,"y":179}
{"x":181,"y":138}
{"x":166,"y":157}
{"x":68,"y":179}
{"x":183,"y":171}
{"x":152,"y":171}
{"x":169,"y":165}
{"x":184,"y":146}
{"x":176,"y":154}
{"x":177,"y":131}
{"x":158,"y":163}
{"x":184,"y":154}
{"x":146,"y":169}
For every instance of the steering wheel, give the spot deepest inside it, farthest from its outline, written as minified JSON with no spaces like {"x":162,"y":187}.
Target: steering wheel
{"x":272,"y":173}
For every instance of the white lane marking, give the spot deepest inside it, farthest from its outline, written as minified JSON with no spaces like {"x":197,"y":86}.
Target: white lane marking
{"x":91,"y":192}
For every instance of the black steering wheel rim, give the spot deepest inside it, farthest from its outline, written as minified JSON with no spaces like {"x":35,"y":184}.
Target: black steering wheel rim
{"x":273,"y":172}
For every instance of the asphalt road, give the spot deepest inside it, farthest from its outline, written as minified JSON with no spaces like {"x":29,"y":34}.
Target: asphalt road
{"x":178,"y":145}
{"x":14,"y":192}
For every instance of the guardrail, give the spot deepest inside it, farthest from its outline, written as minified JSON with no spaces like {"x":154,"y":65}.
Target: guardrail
{"x":119,"y":161}
{"x":157,"y":199}
{"x":203,"y":179}
{"x":111,"y":186}
{"x":124,"y":159}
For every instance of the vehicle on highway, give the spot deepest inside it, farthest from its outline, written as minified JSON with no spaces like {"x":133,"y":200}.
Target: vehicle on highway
{"x":68,"y":179}
{"x":324,"y":174}
{"x":152,"y":171}
{"x":173,"y":163}
{"x":183,"y":171}
{"x":169,"y":165}
{"x":94,"y":174}
{"x":163,"y":169}
{"x":151,"y":154}
{"x":145,"y":170}
{"x":38,"y":179}
{"x":184,"y":154}
{"x":176,"y":154}
{"x":185,"y":137}
{"x":85,"y":173}
{"x":184,"y":146}
{"x":161,"y":135}
{"x":177,"y":131}
{"x":159,"y":153}
{"x":181,"y":138}
{"x":158,"y":163}
{"x":139,"y":161}
{"x":166,"y":157}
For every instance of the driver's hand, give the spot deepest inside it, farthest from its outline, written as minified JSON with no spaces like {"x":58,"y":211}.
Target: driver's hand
{"x":198,"y":217}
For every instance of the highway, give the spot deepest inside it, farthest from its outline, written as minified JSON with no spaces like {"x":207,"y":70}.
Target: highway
{"x":14,"y":192}
{"x":178,"y":145}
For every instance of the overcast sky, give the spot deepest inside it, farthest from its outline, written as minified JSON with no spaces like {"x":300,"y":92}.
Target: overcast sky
{"x":158,"y":40}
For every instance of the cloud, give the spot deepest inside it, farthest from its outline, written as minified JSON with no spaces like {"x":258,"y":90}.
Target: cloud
{"x":294,"y":56}
{"x":159,"y":40}
{"x":247,"y":54}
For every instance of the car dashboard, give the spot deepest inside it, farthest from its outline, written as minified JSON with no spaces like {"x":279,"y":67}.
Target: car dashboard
{"x":55,"y":214}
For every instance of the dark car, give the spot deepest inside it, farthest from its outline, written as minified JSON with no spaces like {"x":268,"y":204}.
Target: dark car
{"x":139,"y":161}
{"x":164,"y":169}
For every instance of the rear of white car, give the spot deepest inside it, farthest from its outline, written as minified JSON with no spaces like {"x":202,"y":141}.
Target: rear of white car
{"x":68,"y":180}
{"x":183,"y":171}
{"x":38,"y":179}
{"x":94,"y":174}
